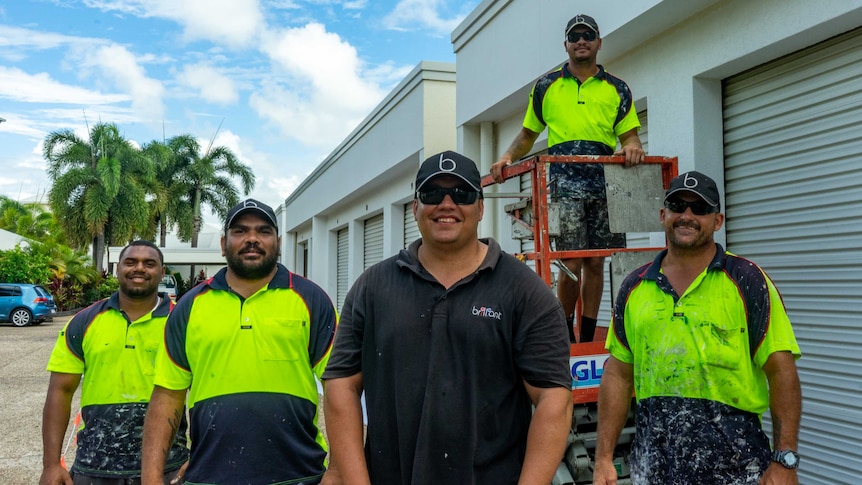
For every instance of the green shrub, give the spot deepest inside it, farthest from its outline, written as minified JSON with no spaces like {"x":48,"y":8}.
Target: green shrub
{"x":24,"y":265}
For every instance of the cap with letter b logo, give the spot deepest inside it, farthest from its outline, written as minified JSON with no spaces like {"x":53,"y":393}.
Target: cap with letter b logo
{"x":696,"y":183}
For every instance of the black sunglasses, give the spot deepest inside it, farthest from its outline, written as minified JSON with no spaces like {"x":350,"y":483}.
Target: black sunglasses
{"x":698,"y":207}
{"x":435,"y":195}
{"x":588,"y":35}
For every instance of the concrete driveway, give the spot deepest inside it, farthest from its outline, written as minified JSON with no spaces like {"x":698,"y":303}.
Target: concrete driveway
{"x":24,"y":353}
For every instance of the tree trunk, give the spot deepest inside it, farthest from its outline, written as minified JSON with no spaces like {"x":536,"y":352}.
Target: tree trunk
{"x":163,"y":229}
{"x":99,"y":252}
{"x":196,"y":228}
{"x":196,"y":208}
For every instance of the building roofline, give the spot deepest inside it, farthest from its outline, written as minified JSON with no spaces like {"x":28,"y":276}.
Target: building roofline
{"x":424,"y":71}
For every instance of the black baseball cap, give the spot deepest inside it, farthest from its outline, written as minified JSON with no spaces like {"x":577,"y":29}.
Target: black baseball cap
{"x":582,"y":19}
{"x":696,"y":183}
{"x":449,"y":163}
{"x":251,"y":205}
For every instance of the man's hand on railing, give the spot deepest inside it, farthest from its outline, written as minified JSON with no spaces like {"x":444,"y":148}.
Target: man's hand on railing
{"x":497,"y":168}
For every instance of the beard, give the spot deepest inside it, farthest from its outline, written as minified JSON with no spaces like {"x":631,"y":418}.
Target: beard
{"x":702,"y":239}
{"x":251,"y":270}
{"x":132,"y":291}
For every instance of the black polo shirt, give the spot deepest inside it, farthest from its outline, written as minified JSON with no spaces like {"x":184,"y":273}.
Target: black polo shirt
{"x":443,"y":369}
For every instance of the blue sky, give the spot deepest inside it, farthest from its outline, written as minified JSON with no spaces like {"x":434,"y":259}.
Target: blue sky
{"x":287,"y":80}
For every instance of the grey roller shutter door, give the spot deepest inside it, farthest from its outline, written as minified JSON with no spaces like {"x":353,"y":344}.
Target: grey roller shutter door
{"x":793,"y":171}
{"x":411,"y":228}
{"x":342,"y":266}
{"x":373,"y":241}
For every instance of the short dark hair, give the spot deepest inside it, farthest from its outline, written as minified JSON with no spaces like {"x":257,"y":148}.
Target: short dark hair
{"x":149,"y":244}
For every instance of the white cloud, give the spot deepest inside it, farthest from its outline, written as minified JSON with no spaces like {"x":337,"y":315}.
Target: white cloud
{"x":321,"y":94}
{"x":421,"y":14}
{"x":21,"y":38}
{"x":285,"y":186}
{"x":29,"y":179}
{"x":233,"y":22}
{"x":274,"y":180}
{"x":212,"y":85}
{"x":120,"y":66}
{"x":19,"y":86}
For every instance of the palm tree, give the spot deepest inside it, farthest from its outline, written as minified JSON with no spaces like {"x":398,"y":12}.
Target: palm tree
{"x":170,"y":206}
{"x":99,"y":187}
{"x":31,"y":221}
{"x":11,"y":213}
{"x":208,"y":177}
{"x":67,"y":263}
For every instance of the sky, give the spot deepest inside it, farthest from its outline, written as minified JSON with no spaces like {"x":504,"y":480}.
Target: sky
{"x":279,"y":82}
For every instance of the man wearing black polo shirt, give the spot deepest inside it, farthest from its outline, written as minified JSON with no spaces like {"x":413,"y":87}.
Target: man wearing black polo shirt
{"x":586,"y":109}
{"x":452,"y":341}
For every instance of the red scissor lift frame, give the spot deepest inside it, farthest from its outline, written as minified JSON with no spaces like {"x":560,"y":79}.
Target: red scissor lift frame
{"x":537,"y":165}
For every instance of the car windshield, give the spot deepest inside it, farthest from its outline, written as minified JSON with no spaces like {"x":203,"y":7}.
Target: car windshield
{"x":41,"y":291}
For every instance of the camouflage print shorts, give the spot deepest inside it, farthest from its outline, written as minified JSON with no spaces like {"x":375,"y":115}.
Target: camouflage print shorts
{"x":584,"y":225}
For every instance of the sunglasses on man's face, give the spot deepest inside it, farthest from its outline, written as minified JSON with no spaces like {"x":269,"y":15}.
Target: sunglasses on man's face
{"x":435,"y":195}
{"x":698,"y":207}
{"x":587,"y":35}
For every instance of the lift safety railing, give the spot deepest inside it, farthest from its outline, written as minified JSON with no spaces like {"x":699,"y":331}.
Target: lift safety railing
{"x":537,"y":166}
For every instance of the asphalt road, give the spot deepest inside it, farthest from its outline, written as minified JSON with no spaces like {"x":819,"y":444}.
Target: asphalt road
{"x":24,"y":353}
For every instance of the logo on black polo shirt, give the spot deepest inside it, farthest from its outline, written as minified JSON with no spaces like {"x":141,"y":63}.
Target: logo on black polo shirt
{"x":486,"y":312}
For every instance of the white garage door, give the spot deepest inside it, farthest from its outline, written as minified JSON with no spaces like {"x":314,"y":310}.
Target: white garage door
{"x":793,"y":170}
{"x":373,"y":241}
{"x":341,"y":267}
{"x":411,"y":228}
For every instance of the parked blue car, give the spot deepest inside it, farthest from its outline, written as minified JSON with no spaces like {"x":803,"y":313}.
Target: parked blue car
{"x":23,"y":304}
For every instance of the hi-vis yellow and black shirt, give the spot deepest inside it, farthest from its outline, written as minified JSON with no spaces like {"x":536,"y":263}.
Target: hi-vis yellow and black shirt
{"x":582,"y":119}
{"x":250,"y":365}
{"x":698,"y":363}
{"x":116,"y":357}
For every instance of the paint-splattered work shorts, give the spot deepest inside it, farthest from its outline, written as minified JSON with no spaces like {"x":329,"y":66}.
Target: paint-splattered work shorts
{"x":681,"y":441}
{"x":584,"y":225}
{"x":579,"y":188}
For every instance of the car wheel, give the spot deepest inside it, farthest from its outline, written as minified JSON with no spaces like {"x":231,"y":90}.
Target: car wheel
{"x":21,"y":317}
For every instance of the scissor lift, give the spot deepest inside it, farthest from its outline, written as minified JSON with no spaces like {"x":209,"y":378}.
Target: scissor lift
{"x":634,"y":196}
